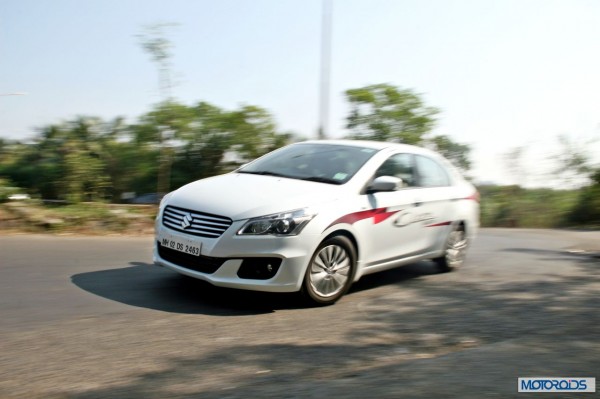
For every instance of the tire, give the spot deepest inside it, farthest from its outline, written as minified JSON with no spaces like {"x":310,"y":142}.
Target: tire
{"x":455,"y":249}
{"x":330,"y":272}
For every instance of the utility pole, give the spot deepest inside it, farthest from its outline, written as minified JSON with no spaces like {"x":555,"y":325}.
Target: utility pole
{"x":325,"y":69}
{"x":155,"y":43}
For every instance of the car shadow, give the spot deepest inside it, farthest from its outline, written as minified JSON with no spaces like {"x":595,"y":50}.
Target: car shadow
{"x":149,"y":286}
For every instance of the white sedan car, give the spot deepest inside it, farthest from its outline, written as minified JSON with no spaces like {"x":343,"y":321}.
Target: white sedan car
{"x":317,"y":216}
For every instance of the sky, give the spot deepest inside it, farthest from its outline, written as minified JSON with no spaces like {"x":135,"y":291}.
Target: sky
{"x":504,"y":73}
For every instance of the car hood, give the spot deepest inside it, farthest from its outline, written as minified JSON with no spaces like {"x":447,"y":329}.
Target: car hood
{"x":243,"y":196}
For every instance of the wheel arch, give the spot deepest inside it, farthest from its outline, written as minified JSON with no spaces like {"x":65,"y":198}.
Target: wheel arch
{"x":348,"y":235}
{"x":469,"y":227}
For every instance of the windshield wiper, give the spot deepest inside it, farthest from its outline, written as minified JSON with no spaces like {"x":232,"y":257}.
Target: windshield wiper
{"x":264,"y":173}
{"x":321,"y":179}
{"x":318,"y":179}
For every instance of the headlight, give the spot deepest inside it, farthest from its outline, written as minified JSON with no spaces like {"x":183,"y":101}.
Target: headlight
{"x":284,"y":224}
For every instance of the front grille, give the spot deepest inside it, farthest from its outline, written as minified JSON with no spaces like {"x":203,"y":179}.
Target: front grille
{"x":195,"y":223}
{"x":203,"y":264}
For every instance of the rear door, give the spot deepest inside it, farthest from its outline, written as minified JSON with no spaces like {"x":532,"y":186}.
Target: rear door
{"x":433,"y":202}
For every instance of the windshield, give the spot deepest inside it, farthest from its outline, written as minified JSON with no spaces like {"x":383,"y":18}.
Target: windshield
{"x":325,"y":163}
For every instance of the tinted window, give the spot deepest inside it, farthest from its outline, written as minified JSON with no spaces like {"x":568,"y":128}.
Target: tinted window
{"x":327,"y":163}
{"x":399,"y":165}
{"x":430,"y":173}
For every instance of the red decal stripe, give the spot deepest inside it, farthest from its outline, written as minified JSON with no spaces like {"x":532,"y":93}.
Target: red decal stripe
{"x":474,"y":197}
{"x":439,"y":224}
{"x":378,"y":215}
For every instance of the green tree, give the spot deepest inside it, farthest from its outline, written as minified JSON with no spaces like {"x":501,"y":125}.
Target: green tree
{"x":206,"y":140}
{"x":384,"y":112}
{"x":254,"y":132}
{"x":19,"y":164}
{"x":81,"y":145}
{"x":204,"y":145}
{"x":65,"y":161}
{"x":573,"y":162}
{"x":37,"y":166}
{"x":165,"y":123}
{"x":574,"y":165}
{"x":458,"y":154}
{"x":91,"y":159}
{"x":587,"y":209}
{"x":85,"y":179}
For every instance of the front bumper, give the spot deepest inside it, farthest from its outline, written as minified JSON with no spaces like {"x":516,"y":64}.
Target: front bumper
{"x":222,"y":258}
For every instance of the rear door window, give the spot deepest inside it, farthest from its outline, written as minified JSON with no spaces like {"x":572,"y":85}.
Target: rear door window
{"x":430,"y":173}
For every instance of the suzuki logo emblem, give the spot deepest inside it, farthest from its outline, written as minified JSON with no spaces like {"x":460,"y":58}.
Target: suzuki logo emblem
{"x":187,"y":221}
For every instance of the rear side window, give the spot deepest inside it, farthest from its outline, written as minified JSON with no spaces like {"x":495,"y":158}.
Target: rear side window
{"x":430,"y":173}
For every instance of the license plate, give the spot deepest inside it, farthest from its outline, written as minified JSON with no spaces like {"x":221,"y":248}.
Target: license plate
{"x":180,"y":244}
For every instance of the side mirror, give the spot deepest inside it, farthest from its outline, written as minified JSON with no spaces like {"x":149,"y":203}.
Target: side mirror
{"x":385,"y":183}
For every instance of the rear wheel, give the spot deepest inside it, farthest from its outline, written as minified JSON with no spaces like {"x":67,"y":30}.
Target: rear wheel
{"x":455,"y":249}
{"x":330,"y":272}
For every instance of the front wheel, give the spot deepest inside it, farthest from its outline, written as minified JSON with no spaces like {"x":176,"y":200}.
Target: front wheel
{"x":455,"y":249}
{"x":330,"y":272}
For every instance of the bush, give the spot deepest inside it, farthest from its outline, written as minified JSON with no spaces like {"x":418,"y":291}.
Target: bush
{"x":587,"y":209}
{"x":6,"y":190}
{"x":514,"y":206}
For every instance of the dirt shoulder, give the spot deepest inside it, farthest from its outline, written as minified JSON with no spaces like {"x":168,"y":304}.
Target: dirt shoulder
{"x":82,"y":219}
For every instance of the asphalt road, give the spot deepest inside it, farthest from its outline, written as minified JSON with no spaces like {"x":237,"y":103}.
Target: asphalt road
{"x":84,"y":317}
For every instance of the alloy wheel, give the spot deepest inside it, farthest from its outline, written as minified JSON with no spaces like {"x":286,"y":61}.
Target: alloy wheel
{"x":330,"y":271}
